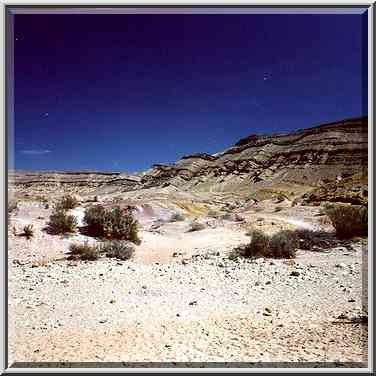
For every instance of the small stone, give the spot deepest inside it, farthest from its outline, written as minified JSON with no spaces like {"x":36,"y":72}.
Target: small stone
{"x":144,"y":287}
{"x":294,"y":273}
{"x":221,"y":265}
{"x":184,"y":262}
{"x":267,"y":309}
{"x":342,"y":316}
{"x":268,"y":282}
{"x":112,"y":301}
{"x":193,"y":302}
{"x":351,"y":300}
{"x":341,"y":265}
{"x":102,"y":321}
{"x":178,"y":315}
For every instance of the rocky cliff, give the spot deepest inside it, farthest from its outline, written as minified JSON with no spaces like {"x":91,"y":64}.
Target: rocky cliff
{"x":303,"y":157}
{"x":307,"y":157}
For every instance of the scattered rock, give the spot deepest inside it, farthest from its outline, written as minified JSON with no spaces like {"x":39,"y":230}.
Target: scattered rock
{"x":294,"y":273}
{"x":341,"y":265}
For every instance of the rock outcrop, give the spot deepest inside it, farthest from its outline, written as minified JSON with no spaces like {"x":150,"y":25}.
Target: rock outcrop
{"x":304,"y":157}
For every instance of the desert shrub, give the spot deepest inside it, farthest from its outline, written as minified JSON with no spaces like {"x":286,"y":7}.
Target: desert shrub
{"x":177,"y":217}
{"x":111,"y":223}
{"x":279,"y":198}
{"x":213,"y":213}
{"x":28,"y":231}
{"x":67,"y":202}
{"x":227,"y":216}
{"x":60,"y":222}
{"x":283,"y":244}
{"x":348,"y":220}
{"x":196,"y":226}
{"x":94,"y":219}
{"x":84,"y":252}
{"x":232,"y":217}
{"x":12,"y":206}
{"x":120,"y":249}
{"x":258,"y":246}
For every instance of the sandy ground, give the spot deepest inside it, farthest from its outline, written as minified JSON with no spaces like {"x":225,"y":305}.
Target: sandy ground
{"x":180,"y":299}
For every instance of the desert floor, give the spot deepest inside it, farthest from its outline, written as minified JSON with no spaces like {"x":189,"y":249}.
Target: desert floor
{"x":181,"y":299}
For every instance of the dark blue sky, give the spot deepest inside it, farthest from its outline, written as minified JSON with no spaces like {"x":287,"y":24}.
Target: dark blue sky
{"x":121,"y":92}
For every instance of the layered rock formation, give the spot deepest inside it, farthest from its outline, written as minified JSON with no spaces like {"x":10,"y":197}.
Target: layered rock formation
{"x":303,"y":157}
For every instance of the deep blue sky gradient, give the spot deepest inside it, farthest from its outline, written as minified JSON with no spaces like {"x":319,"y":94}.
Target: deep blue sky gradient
{"x":121,"y":92}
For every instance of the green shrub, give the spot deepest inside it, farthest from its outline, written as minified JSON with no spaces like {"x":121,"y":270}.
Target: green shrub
{"x":60,"y":222}
{"x":67,"y":202}
{"x":28,"y":231}
{"x":111,"y":223}
{"x":258,"y":245}
{"x":120,"y":249}
{"x":348,"y":220}
{"x":281,"y":245}
{"x":196,"y":226}
{"x":84,"y":252}
{"x":177,"y":217}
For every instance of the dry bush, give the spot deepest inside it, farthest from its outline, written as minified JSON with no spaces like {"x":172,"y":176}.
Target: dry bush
{"x":84,"y":252}
{"x":61,"y":223}
{"x":348,"y":220}
{"x":12,"y":206}
{"x":28,"y":231}
{"x":111,"y":223}
{"x":213,"y":213}
{"x":120,"y":249}
{"x":235,"y":217}
{"x":67,"y":202}
{"x":283,"y":244}
{"x":177,"y":217}
{"x":196,"y":226}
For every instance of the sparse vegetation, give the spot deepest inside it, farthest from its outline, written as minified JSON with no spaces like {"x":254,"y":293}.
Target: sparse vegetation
{"x":84,"y":252}
{"x":348,"y":220}
{"x":61,"y":223}
{"x":177,"y":217}
{"x":196,"y":226}
{"x":28,"y":231}
{"x":67,"y":202}
{"x":213,"y":213}
{"x":232,"y":217}
{"x":12,"y":206}
{"x":120,"y":249}
{"x":111,"y":223}
{"x":282,"y":244}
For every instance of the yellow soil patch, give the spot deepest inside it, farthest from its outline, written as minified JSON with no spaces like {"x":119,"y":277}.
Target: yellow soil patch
{"x":193,"y":208}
